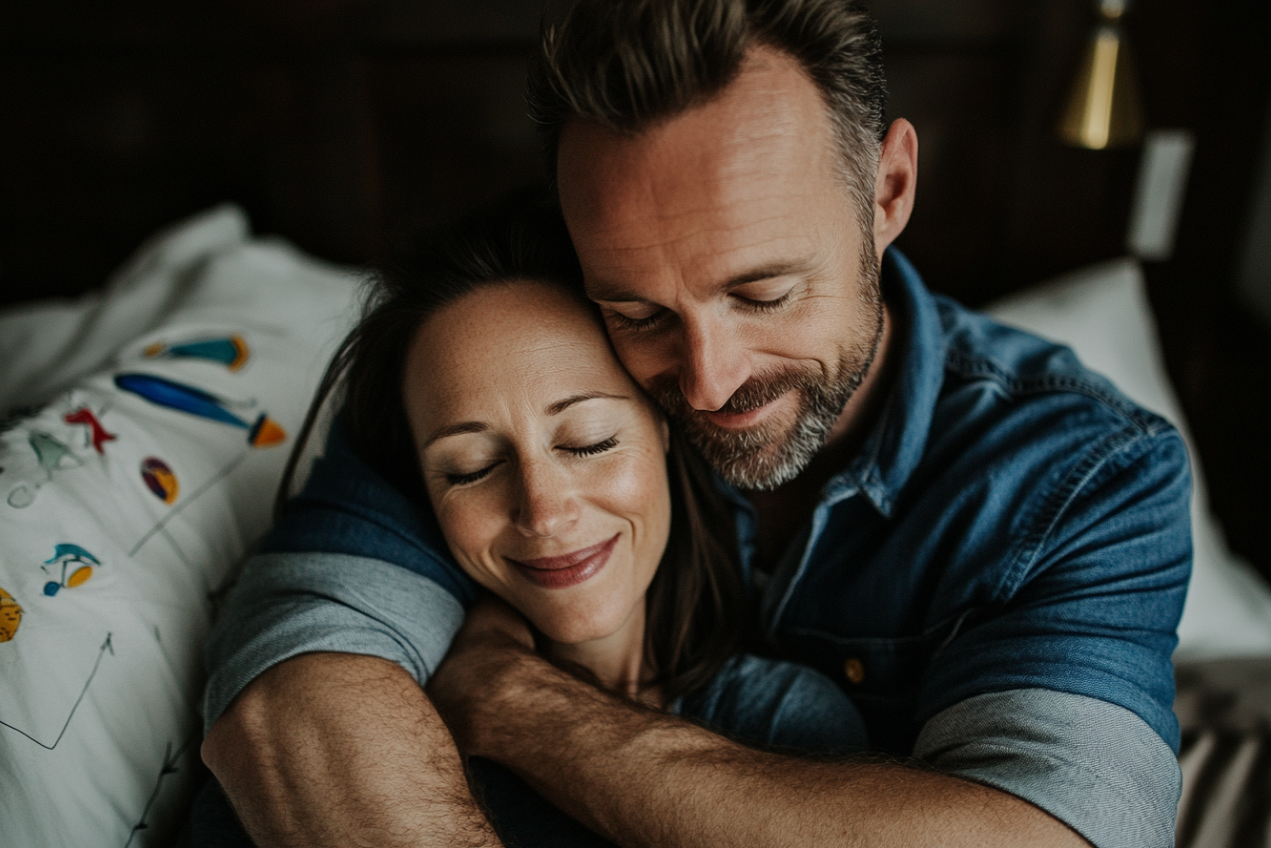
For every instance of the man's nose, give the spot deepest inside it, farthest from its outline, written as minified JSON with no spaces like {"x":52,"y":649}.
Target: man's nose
{"x":715,"y":364}
{"x":546,"y":504}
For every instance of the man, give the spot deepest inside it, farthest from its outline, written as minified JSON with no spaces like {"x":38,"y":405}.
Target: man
{"x":985,"y":543}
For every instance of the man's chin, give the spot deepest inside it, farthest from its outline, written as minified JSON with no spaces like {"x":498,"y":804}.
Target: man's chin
{"x":755,"y":458}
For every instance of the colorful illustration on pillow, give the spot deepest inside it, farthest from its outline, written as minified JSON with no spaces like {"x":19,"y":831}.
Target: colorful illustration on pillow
{"x":232,"y":351}
{"x":67,"y":556}
{"x":52,"y":455}
{"x":264,"y":432}
{"x":97,"y":435}
{"x":160,"y":479}
{"x":10,"y":616}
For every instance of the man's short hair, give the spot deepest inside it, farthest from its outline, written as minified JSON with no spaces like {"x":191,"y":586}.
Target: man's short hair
{"x":629,"y":64}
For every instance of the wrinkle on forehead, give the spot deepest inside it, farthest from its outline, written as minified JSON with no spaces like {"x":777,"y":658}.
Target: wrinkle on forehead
{"x":717,"y":185}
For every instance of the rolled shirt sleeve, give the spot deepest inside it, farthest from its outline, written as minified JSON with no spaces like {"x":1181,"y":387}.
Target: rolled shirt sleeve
{"x":1097,"y":767}
{"x":288,"y":604}
{"x":352,"y":566}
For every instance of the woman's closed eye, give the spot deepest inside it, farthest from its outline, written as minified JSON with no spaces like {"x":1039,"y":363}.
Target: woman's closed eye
{"x":464,"y":478}
{"x":592,"y":449}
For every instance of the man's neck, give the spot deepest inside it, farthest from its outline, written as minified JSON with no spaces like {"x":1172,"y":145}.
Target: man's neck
{"x":782,"y":511}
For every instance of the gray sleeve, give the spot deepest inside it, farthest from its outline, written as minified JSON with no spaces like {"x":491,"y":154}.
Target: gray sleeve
{"x":1093,"y":765}
{"x":287,"y":604}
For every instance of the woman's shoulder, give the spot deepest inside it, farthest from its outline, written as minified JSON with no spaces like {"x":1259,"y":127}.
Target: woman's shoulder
{"x":776,"y":704}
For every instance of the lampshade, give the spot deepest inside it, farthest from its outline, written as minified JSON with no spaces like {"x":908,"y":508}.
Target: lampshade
{"x":1103,"y":109}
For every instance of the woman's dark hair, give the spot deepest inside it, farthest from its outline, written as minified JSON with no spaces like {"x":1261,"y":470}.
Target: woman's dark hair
{"x":694,"y":604}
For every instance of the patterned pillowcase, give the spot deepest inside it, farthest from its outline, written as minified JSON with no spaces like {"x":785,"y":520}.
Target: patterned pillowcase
{"x":125,"y":504}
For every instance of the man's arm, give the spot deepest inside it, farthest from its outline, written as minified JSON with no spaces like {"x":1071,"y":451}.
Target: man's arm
{"x":343,"y":750}
{"x":643,"y":778}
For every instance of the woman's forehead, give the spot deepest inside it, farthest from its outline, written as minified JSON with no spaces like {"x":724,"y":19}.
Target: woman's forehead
{"x":523,"y":342}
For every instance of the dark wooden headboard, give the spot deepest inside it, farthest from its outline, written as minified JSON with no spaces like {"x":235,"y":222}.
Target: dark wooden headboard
{"x":341,"y":125}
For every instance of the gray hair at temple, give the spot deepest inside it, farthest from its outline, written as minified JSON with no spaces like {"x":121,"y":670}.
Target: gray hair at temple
{"x":629,"y":64}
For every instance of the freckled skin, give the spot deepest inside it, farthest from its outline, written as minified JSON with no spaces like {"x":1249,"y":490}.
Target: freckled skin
{"x":499,"y":358}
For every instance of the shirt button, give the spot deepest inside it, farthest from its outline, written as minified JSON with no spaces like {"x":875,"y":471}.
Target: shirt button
{"x":854,"y":670}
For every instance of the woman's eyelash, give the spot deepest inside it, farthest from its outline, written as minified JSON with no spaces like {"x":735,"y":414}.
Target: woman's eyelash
{"x":470,"y":477}
{"x":592,"y":450}
{"x":481,"y":473}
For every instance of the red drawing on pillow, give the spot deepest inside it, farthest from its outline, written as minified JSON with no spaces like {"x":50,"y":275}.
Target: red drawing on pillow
{"x":96,"y":432}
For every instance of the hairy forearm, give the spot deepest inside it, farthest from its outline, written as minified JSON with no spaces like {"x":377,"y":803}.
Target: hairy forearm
{"x":646,"y":779}
{"x":337,"y":749}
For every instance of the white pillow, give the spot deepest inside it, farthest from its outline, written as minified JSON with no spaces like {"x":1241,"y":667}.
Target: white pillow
{"x":125,"y":504}
{"x":1102,"y":312}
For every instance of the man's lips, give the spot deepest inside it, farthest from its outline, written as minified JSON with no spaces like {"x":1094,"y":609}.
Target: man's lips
{"x":744,"y":420}
{"x":557,"y":572}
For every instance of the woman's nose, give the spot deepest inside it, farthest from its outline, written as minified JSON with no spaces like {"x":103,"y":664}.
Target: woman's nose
{"x":547,"y":504}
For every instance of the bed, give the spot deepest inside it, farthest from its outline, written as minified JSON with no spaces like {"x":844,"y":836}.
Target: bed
{"x":146,"y":421}
{"x":146,"y":428}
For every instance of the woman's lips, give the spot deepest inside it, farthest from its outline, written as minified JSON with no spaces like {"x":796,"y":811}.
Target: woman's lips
{"x":569,"y":569}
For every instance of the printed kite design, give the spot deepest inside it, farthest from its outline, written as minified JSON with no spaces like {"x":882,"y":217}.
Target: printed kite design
{"x":160,"y":391}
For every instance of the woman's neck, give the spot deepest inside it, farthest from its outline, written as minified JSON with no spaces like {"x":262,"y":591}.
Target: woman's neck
{"x":617,"y":660}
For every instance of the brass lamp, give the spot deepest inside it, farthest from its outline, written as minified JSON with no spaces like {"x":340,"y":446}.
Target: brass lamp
{"x":1103,"y":108}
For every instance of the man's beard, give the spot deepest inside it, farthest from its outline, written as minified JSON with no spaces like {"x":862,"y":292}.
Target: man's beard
{"x":774,"y":453}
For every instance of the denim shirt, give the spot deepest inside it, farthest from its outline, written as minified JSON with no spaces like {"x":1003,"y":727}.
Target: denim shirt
{"x":1012,"y":522}
{"x":995,"y":580}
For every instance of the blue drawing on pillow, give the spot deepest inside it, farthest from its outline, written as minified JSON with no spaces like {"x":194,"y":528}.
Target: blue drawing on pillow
{"x":160,"y":391}
{"x":52,"y":455}
{"x":67,"y":555}
{"x":232,"y":351}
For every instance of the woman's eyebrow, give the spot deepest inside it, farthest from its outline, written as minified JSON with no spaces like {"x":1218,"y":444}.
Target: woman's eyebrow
{"x":456,"y":430}
{"x":561,"y":405}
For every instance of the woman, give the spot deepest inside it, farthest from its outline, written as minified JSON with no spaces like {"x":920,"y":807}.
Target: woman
{"x":482,"y":384}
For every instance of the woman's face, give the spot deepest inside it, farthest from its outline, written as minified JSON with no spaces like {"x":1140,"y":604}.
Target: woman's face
{"x":545,"y":465}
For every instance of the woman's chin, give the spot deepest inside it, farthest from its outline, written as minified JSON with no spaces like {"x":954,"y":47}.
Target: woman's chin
{"x":564,"y":627}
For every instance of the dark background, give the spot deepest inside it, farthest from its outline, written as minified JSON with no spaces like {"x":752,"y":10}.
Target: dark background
{"x":342,"y":125}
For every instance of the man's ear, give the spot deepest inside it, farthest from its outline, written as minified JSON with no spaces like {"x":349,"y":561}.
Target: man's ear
{"x":896,"y":184}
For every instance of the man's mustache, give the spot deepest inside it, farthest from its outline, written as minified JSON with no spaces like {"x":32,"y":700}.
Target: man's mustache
{"x":756,"y":392}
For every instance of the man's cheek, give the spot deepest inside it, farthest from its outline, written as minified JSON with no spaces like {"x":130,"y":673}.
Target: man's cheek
{"x":646,"y":361}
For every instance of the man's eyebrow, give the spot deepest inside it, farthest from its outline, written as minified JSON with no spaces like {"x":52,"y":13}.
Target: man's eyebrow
{"x":606,"y":292}
{"x":561,"y":405}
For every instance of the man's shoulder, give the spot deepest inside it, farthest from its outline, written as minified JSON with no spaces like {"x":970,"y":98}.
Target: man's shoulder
{"x":1025,"y":373}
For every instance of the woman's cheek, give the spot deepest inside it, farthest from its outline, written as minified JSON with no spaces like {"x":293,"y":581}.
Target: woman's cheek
{"x":470,"y":535}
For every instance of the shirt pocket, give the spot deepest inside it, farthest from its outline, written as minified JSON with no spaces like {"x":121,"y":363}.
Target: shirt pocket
{"x":882,"y":675}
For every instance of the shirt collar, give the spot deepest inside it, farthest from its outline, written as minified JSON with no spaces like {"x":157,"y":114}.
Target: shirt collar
{"x":896,"y":443}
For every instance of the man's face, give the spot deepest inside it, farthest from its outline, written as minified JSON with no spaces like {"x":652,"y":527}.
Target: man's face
{"x":731,"y":268}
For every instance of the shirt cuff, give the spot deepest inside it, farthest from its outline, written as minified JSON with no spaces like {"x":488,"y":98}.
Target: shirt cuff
{"x":288,"y":604}
{"x":1095,"y":766}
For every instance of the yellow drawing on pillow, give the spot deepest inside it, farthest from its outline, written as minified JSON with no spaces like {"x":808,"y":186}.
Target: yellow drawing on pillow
{"x":53,"y":455}
{"x":160,"y":479}
{"x":67,"y":556}
{"x":10,"y":616}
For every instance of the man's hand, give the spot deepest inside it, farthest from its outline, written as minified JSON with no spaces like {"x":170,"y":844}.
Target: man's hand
{"x":643,"y":778}
{"x":343,"y":750}
{"x":493,"y":635}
